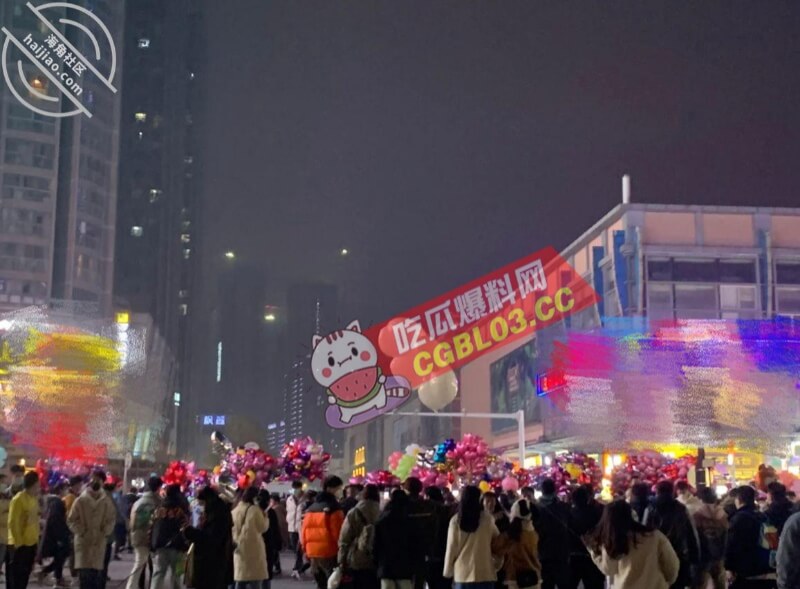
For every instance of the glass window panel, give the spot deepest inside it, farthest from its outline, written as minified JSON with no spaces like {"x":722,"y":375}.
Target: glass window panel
{"x":788,"y":300}
{"x":659,"y":296}
{"x":787,"y":273}
{"x":737,"y":297}
{"x":696,"y":297}
{"x":695,"y":271}
{"x":737,"y":272}
{"x":659,"y":269}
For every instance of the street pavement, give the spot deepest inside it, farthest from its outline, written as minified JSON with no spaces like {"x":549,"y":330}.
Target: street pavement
{"x":120,"y":569}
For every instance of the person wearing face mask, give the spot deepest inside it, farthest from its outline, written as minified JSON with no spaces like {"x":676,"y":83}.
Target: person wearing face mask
{"x":92,"y":520}
{"x":211,"y":565}
{"x":23,"y":531}
{"x":294,"y":521}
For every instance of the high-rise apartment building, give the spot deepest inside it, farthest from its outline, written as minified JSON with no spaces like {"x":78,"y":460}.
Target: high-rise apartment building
{"x":312,"y":309}
{"x":157,"y":214}
{"x":58,"y":175}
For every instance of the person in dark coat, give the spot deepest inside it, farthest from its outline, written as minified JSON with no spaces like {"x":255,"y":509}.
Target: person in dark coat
{"x":272,"y":537}
{"x":434,"y":574}
{"x":586,"y":514}
{"x":780,"y":508}
{"x":742,"y":554}
{"x":212,"y":562}
{"x":353,"y":493}
{"x":421,"y":513}
{"x":640,"y":500}
{"x":669,"y":515}
{"x":551,"y":521}
{"x":397,"y":550}
{"x":55,"y":543}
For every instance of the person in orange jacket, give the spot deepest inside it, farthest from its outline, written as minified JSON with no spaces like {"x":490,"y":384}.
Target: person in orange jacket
{"x":322,"y":524}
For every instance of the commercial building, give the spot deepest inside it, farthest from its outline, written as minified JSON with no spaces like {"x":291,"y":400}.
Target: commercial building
{"x":651,"y":261}
{"x":59,"y":176}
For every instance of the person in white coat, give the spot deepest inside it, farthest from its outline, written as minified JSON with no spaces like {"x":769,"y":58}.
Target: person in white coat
{"x":635,"y":556}
{"x":91,"y":520}
{"x":294,"y":523}
{"x":250,"y":556}
{"x":468,"y":557}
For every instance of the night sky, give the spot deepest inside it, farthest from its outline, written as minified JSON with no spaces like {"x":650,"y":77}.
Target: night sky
{"x":438,"y":140}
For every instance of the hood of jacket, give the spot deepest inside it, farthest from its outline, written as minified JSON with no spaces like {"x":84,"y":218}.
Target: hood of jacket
{"x":325,"y":502}
{"x":370,"y":509}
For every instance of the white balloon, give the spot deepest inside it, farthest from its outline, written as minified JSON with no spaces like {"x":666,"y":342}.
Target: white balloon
{"x":251,"y":446}
{"x":439,"y":392}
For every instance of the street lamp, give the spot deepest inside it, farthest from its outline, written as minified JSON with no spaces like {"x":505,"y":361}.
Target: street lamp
{"x":344,"y":251}
{"x":270,"y":317}
{"x":230,"y":255}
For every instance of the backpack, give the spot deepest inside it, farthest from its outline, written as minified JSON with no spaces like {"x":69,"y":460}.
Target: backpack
{"x":768,"y":545}
{"x":366,"y":539}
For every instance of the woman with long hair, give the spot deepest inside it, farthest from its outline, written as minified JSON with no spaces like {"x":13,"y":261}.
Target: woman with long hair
{"x":211,"y":564}
{"x":468,"y":558}
{"x":396,"y":548}
{"x":635,"y":556}
{"x":250,"y":555}
{"x":519,"y":545}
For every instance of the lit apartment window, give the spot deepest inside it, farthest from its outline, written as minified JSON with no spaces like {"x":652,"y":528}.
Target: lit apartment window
{"x":144,"y":43}
{"x":155,"y":194}
{"x":191,"y":75}
{"x":182,"y":294}
{"x":39,"y":83}
{"x":141,"y":117}
{"x":186,"y":238}
{"x":187,"y":159}
{"x":187,"y":252}
{"x":184,"y":309}
{"x":137,"y":231}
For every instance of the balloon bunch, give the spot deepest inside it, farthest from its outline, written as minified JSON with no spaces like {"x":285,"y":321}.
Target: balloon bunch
{"x":220,"y":444}
{"x":303,"y":458}
{"x":52,"y":471}
{"x":470,"y":457}
{"x":200,"y":480}
{"x":401,"y":464}
{"x":178,"y":473}
{"x":649,"y":468}
{"x":383,"y":479}
{"x":249,"y":465}
{"x":441,"y":450}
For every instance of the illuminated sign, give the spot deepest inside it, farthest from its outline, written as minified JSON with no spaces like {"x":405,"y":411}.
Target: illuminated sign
{"x":213,"y":420}
{"x":547,"y":382}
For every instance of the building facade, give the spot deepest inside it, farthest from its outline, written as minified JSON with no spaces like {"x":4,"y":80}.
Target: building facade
{"x":59,"y":175}
{"x":651,"y":261}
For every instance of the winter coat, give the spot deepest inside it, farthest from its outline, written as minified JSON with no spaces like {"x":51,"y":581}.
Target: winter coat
{"x":250,"y":554}
{"x":438,"y":531}
{"x":711,"y":524}
{"x":91,"y":520}
{"x":520,"y":555}
{"x":551,"y":520}
{"x":23,"y":520}
{"x":583,"y":520}
{"x":5,"y":504}
{"x":141,"y":518}
{"x":167,"y":528}
{"x":56,"y":531}
{"x":364,"y":514}
{"x":789,"y":554}
{"x":322,"y":525}
{"x":397,"y":550}
{"x":272,"y":537}
{"x":691,"y":503}
{"x":741,"y":551}
{"x":212,"y":562}
{"x":468,"y":558}
{"x":651,"y":563}
{"x":348,"y":504}
{"x":778,"y":512}
{"x":421,"y":514}
{"x":294,"y":514}
{"x":672,"y":519}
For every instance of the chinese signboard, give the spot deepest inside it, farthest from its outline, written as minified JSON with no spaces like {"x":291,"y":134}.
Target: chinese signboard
{"x":373,"y":372}
{"x":213,"y":420}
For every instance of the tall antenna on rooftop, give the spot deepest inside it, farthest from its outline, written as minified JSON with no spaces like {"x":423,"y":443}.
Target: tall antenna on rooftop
{"x":626,"y":189}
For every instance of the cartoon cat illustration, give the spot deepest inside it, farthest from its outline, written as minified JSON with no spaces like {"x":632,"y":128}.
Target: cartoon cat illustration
{"x":345,"y":362}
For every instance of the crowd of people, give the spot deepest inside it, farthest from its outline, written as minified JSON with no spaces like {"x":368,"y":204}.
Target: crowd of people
{"x":361,"y":537}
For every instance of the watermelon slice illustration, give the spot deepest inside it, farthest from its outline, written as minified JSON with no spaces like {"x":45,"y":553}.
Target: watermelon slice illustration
{"x":356,"y":385}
